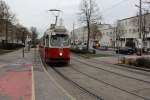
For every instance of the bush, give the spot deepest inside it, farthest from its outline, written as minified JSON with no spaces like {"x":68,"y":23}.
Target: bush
{"x":139,"y":62}
{"x":143,"y":62}
{"x":10,"y":46}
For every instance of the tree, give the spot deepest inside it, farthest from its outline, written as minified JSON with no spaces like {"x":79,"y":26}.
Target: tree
{"x":34,"y":35}
{"x":21,"y":33}
{"x":5,"y":12}
{"x":89,"y":13}
{"x":6,"y":16}
{"x":95,"y":32}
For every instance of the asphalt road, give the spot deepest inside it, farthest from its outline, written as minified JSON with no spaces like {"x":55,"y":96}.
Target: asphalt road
{"x":83,"y":79}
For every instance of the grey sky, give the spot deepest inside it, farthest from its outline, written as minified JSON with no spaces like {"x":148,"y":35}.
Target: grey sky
{"x":34,"y":12}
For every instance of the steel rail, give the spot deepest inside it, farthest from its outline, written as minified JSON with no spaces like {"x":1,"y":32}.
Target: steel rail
{"x":72,"y":82}
{"x":101,"y":81}
{"x":76,"y":84}
{"x":90,"y":65}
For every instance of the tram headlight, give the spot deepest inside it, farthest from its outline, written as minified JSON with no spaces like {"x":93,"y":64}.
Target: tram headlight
{"x":60,"y":53}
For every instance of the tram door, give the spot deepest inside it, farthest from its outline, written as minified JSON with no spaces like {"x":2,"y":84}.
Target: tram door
{"x":46,"y":48}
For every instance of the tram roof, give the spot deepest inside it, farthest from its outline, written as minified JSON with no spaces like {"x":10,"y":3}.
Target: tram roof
{"x":57,"y":30}
{"x":60,"y":29}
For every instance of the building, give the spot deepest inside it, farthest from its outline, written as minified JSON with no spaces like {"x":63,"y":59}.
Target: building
{"x":128,"y":30}
{"x":79,"y":34}
{"x":2,"y":30}
{"x":8,"y":28}
{"x":107,"y":38}
{"x":13,"y":33}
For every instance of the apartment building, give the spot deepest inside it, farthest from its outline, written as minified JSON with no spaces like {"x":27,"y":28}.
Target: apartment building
{"x":106,"y":39}
{"x":13,"y":35}
{"x":79,"y":35}
{"x":128,"y":30}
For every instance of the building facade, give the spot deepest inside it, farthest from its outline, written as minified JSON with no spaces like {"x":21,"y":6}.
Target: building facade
{"x":107,"y":32}
{"x":128,"y":30}
{"x":105,"y":39}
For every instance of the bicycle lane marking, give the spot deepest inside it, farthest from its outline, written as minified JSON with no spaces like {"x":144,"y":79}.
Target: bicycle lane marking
{"x":17,"y":85}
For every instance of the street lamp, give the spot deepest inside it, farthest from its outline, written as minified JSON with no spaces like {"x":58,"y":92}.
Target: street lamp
{"x":23,"y":41}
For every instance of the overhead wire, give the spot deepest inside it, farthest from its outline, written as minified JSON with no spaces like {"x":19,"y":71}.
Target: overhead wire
{"x":114,"y":6}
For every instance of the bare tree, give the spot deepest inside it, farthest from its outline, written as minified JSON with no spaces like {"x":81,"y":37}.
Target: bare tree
{"x":21,"y":33}
{"x":5,"y":12}
{"x":6,"y":16}
{"x":95,"y":32}
{"x":89,"y":13}
{"x":120,"y":32}
{"x":34,"y":35}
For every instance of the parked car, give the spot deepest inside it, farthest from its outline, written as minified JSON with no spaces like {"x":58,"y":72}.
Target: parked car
{"x":126,"y":50}
{"x":103,"y":46}
{"x":82,"y":46}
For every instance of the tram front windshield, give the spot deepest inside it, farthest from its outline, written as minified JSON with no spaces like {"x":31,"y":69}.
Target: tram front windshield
{"x":59,"y":40}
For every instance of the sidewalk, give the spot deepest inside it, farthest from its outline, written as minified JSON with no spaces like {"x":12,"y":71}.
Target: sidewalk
{"x":25,"y":79}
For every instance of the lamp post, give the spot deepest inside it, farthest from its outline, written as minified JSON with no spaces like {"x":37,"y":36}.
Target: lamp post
{"x":23,"y":41}
{"x":141,"y":26}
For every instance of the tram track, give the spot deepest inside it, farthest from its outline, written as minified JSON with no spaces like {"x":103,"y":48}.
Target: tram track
{"x":109,"y":84}
{"x":90,"y":65}
{"x":106,"y":70}
{"x":124,"y":68}
{"x":76,"y":84}
{"x":67,"y":79}
{"x":127,"y":68}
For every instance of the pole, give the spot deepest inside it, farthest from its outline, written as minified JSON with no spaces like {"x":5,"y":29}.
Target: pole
{"x":140,"y":27}
{"x":88,"y":37}
{"x":73,"y":35}
{"x":23,"y":40}
{"x":6,"y":31}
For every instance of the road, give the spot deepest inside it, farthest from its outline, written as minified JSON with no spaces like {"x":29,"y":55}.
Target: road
{"x":82,"y":79}
{"x":106,"y":81}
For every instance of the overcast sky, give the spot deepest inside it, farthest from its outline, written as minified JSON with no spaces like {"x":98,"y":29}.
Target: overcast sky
{"x":34,"y":12}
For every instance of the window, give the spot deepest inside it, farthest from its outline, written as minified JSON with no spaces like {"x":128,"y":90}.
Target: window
{"x":59,"y":40}
{"x":134,"y":30}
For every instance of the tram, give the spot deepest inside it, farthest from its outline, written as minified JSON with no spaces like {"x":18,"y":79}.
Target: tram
{"x":55,"y":45}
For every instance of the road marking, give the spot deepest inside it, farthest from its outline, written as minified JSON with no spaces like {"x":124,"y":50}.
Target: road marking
{"x":33,"y":85}
{"x":58,"y":85}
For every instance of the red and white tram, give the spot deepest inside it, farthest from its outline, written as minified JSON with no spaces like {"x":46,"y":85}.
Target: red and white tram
{"x":55,"y":45}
